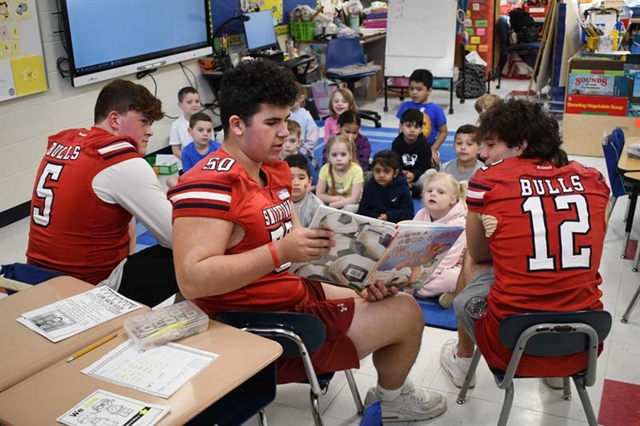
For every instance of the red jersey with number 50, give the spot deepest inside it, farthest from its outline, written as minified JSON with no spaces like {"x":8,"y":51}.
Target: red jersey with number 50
{"x":71,"y":230}
{"x":546,"y":248}
{"x":218,"y":187}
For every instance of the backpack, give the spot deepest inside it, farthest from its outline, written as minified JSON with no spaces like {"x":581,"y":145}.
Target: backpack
{"x":474,"y":81}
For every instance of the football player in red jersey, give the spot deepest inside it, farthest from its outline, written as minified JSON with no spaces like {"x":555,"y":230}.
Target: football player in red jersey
{"x":236,"y":233}
{"x":535,"y":232}
{"x":89,"y":186}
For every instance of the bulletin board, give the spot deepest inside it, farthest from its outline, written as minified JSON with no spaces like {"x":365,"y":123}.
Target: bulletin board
{"x":479,"y":25}
{"x":21,"y":61}
{"x":421,"y":35}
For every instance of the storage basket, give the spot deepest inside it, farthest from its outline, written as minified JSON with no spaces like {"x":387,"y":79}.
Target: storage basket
{"x":301,"y":31}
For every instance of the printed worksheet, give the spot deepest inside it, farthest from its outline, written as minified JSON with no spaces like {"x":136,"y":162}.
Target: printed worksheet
{"x":78,"y":313}
{"x":108,"y":409}
{"x":160,"y":371}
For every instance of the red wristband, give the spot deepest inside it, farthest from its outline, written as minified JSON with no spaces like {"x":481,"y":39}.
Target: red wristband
{"x":274,"y":255}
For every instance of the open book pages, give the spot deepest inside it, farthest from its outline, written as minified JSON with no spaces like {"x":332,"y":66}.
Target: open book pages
{"x":367,"y":250}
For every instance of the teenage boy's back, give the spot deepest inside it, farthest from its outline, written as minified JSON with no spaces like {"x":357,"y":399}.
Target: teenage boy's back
{"x":393,"y":200}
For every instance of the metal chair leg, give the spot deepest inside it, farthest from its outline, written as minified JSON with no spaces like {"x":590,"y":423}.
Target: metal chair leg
{"x":462,"y":395}
{"x":632,"y":305}
{"x":637,"y":264}
{"x":566,"y":389}
{"x":262,"y":418}
{"x":586,"y":402}
{"x":354,"y":391}
{"x":315,"y":408}
{"x":506,"y":405}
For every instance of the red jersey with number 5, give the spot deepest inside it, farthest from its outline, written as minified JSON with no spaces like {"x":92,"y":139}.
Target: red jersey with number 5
{"x":71,"y":230}
{"x":218,"y":187}
{"x":546,"y":248}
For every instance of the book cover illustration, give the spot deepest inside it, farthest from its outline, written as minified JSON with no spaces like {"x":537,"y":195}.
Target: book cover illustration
{"x":367,"y":247}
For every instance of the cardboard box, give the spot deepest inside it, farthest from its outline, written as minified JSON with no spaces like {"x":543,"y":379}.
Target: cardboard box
{"x":376,"y":83}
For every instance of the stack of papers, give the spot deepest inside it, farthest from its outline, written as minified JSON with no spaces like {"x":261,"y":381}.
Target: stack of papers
{"x":76,"y":314}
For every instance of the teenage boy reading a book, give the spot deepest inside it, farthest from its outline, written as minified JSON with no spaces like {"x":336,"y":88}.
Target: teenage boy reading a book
{"x":235,"y":232}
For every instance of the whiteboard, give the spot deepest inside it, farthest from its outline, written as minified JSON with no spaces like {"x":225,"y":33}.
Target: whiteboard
{"x":421,"y":34}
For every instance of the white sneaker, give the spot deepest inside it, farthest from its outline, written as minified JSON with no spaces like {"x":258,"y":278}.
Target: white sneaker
{"x":455,"y":366}
{"x":414,"y":404}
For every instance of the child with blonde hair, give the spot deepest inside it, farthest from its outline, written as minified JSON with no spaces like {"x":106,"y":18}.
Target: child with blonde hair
{"x":485,"y":101}
{"x":341,"y":179}
{"x":341,"y":100}
{"x":444,"y":203}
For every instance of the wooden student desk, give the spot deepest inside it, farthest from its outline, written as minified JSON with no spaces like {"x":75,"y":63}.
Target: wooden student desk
{"x":232,"y":388}
{"x":23,"y":352}
{"x":626,"y":163}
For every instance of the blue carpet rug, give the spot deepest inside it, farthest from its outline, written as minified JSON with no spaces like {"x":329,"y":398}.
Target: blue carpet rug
{"x":435,"y":316}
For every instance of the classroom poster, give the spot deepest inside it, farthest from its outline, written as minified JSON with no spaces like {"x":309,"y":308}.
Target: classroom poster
{"x":273,"y":5}
{"x":480,"y":23}
{"x":22,"y":69}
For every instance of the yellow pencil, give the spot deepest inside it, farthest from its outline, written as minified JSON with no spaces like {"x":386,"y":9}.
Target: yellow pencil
{"x":91,"y":347}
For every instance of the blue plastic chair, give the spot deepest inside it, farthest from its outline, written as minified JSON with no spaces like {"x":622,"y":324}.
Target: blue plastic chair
{"x":612,"y":150}
{"x":28,"y":274}
{"x":346,"y":62}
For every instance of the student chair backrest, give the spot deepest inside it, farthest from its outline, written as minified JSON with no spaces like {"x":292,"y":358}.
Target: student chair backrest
{"x":561,"y":343}
{"x":612,"y":151}
{"x":342,"y":52}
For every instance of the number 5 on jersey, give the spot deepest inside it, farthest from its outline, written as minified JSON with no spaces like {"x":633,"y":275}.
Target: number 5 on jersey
{"x":51,"y":172}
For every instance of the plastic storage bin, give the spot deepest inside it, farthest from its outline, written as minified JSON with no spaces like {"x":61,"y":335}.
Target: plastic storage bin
{"x":166,"y":324}
{"x":301,"y":31}
{"x":162,"y":170}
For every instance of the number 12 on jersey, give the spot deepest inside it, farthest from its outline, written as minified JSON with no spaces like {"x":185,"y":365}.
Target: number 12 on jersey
{"x":568,"y":229}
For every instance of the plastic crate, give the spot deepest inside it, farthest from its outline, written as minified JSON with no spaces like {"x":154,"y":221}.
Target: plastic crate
{"x":162,"y":170}
{"x":301,"y":31}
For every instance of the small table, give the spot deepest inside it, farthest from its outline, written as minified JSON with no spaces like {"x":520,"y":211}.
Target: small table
{"x":24,"y":352}
{"x":626,"y":163}
{"x":240,"y":382}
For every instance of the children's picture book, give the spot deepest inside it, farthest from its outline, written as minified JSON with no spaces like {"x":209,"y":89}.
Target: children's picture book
{"x":367,"y":250}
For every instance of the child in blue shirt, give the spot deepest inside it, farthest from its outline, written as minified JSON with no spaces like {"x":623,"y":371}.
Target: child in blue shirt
{"x":435,"y":121}
{"x":201,"y":130}
{"x":387,"y":196}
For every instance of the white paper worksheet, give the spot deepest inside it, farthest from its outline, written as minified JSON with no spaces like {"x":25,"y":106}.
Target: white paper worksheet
{"x":78,"y":313}
{"x":160,"y":371}
{"x":109,"y":409}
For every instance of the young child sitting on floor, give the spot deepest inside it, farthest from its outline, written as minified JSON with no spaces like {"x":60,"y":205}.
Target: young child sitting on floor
{"x":444,"y":203}
{"x":467,"y":149}
{"x":485,"y":101}
{"x":304,"y":201}
{"x":292,"y":144}
{"x":386,"y":196}
{"x":189,"y":104}
{"x":309,"y":132}
{"x":349,"y":124}
{"x":341,"y":179}
{"x":201,"y":130}
{"x":341,"y":100}
{"x":435,"y":121}
{"x":413,"y":150}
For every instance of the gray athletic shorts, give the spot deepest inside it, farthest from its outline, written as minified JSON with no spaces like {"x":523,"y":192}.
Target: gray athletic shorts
{"x":477,"y":286}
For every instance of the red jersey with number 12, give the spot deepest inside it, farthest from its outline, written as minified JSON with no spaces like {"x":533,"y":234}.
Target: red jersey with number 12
{"x":72,"y":231}
{"x":546,"y":248}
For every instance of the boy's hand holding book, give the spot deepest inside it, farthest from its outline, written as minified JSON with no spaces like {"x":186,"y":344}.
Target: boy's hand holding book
{"x":304,"y":245}
{"x":378,"y":291}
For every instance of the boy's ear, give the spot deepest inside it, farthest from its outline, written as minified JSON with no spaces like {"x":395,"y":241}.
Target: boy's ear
{"x":189,"y":130}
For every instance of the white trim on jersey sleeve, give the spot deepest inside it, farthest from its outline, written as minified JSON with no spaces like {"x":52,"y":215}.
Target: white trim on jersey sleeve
{"x":475,"y":195}
{"x":133,"y":185}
